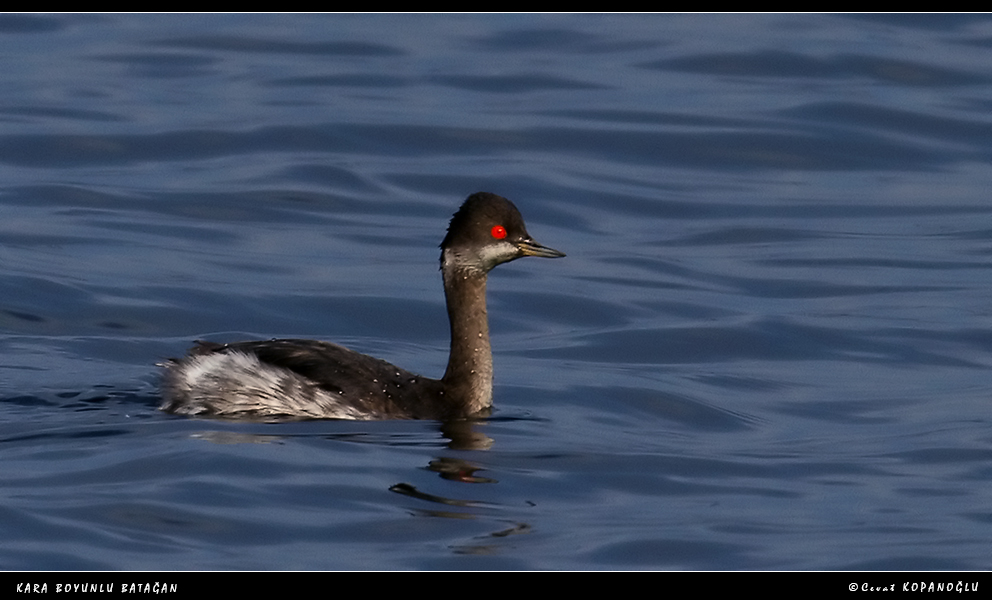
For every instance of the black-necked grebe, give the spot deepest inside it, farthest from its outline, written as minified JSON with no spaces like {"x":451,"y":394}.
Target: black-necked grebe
{"x":309,"y":379}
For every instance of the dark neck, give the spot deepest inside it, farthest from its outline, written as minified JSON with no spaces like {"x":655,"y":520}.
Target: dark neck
{"x":468,"y":381}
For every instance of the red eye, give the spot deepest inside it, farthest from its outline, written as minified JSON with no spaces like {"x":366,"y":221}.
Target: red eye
{"x":499,"y":232}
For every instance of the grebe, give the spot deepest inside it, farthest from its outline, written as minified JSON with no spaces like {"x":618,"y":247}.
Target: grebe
{"x":309,"y":379}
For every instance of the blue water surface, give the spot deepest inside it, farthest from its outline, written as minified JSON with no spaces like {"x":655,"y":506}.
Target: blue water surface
{"x":769,"y":347}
